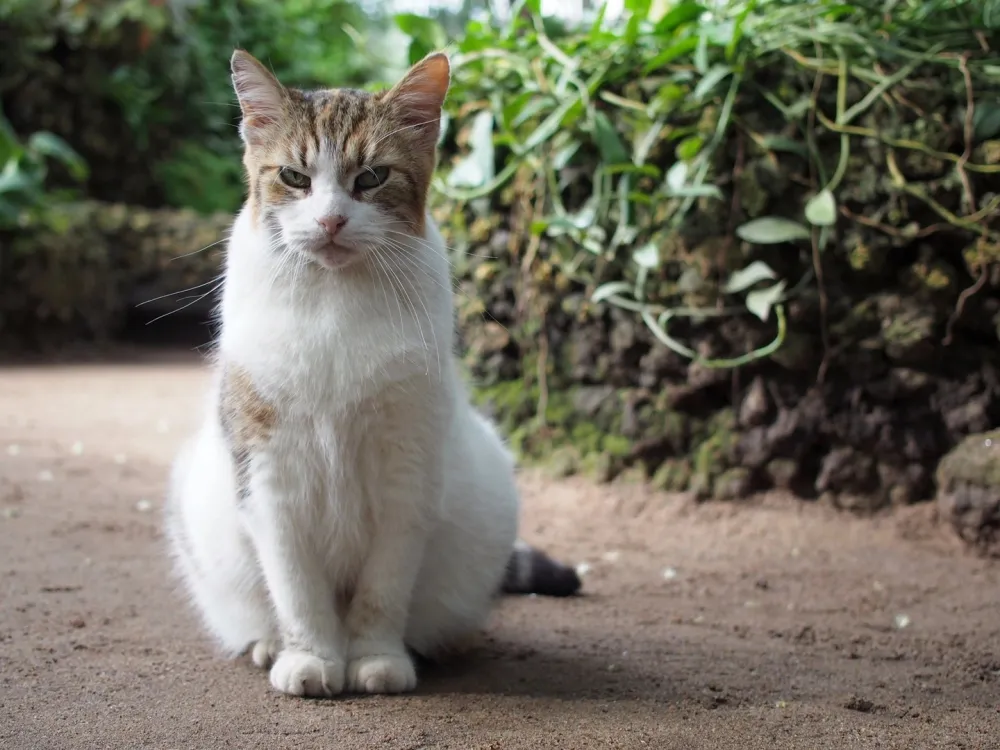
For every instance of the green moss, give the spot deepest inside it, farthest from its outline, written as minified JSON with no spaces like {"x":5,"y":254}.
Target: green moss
{"x":586,"y":437}
{"x":674,"y":475}
{"x":714,"y":453}
{"x":616,"y":445}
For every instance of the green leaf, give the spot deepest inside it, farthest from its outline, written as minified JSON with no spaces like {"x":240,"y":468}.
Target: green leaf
{"x":677,"y":16}
{"x":701,"y":53}
{"x":986,"y":119}
{"x":479,"y":166}
{"x":991,"y":14}
{"x":670,"y":54}
{"x":747,"y":277}
{"x":760,"y":301}
{"x":772,"y":230}
{"x":416,"y":26}
{"x":611,"y":289}
{"x":608,"y":142}
{"x":690,"y":147}
{"x":712,"y":78}
{"x":821,"y":210}
{"x":647,"y":256}
{"x":56,"y":148}
{"x":677,"y":176}
{"x":781,"y":143}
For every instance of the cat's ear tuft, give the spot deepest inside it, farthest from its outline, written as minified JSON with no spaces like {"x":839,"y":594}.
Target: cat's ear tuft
{"x":419,"y":96}
{"x":262,"y":98}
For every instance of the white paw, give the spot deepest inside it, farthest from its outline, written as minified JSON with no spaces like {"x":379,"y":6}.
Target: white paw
{"x":302,"y":674}
{"x":265,"y":651}
{"x":384,"y":673}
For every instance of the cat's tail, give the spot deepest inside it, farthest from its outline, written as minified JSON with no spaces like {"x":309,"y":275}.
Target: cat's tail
{"x":531,"y":571}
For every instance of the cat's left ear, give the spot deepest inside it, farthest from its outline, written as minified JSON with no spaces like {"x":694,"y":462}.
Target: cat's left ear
{"x":262,"y":98}
{"x":419,"y":96}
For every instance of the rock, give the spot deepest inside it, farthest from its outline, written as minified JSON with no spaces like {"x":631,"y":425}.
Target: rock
{"x":588,"y":399}
{"x":564,"y":462}
{"x":755,"y":405}
{"x":781,"y":472}
{"x":969,"y":491}
{"x":733,"y":484}
{"x":846,"y":470}
{"x":674,"y":475}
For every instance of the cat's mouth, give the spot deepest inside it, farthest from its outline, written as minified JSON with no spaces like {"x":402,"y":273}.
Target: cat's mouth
{"x":334,"y":256}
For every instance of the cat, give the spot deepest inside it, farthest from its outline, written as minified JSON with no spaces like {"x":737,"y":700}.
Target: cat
{"x":342,"y":506}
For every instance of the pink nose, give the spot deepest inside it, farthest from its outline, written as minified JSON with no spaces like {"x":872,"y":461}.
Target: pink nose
{"x":332,"y":224}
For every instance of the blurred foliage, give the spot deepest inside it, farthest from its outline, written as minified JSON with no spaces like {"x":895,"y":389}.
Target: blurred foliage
{"x":24,"y":195}
{"x":162,"y":69}
{"x":627,"y":143}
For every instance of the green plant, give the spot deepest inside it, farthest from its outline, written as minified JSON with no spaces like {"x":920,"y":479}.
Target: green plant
{"x":23,"y":171}
{"x":619,"y":131}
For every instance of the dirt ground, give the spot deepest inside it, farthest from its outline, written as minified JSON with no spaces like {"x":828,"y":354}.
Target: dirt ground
{"x":770,"y":624}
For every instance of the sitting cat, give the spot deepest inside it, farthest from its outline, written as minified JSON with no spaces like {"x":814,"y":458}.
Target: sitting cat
{"x":342,"y":503}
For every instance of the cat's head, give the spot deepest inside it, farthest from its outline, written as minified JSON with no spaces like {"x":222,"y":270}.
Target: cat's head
{"x":333,"y":172}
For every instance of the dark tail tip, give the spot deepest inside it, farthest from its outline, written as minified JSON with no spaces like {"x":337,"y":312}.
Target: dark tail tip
{"x":531,"y":571}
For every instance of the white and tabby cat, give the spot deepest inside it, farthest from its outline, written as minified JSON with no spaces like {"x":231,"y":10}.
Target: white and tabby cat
{"x":342,"y":503}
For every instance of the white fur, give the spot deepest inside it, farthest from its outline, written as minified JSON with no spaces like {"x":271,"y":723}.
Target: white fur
{"x":380,"y":483}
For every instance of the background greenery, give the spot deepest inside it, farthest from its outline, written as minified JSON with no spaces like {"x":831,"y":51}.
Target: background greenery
{"x":707,"y":242}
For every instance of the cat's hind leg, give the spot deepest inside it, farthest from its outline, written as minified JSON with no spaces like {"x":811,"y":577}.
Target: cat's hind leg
{"x":213,"y":554}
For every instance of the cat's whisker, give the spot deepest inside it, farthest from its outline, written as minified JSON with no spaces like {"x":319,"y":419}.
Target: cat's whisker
{"x":419,"y":297}
{"x":214,"y":280}
{"x":207,"y":247}
{"x":195,"y":301}
{"x":405,"y":127}
{"x":399,"y":306}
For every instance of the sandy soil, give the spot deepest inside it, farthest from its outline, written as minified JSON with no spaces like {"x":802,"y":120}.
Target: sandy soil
{"x":771,"y":624}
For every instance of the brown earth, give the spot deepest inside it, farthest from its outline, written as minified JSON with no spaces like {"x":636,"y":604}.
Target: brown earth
{"x":768,"y":624}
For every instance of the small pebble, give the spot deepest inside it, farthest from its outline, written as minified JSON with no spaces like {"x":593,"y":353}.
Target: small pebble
{"x":11,"y":512}
{"x":670,"y":574}
{"x":612,"y":556}
{"x":582,"y":569}
{"x":77,"y":622}
{"x":780,"y":704}
{"x":120,"y":458}
{"x":13,"y":450}
{"x":988,"y":442}
{"x":901,"y":621}
{"x":877,"y":586}
{"x":45,"y":476}
{"x":77,"y":449}
{"x":795,"y":551}
{"x":144,"y":506}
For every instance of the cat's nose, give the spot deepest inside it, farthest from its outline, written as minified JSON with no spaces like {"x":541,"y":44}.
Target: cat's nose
{"x":332,"y":224}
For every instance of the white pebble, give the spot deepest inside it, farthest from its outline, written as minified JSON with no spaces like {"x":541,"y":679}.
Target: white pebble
{"x":144,"y":506}
{"x":988,"y":442}
{"x":795,"y":551}
{"x":120,"y":458}
{"x":11,"y":512}
{"x":612,"y":556}
{"x":13,"y":450}
{"x":45,"y":476}
{"x":901,"y":621}
{"x":582,"y":569}
{"x":77,"y":449}
{"x":670,"y":574}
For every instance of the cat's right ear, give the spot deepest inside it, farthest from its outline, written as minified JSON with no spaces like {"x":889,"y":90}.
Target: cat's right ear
{"x":262,"y":98}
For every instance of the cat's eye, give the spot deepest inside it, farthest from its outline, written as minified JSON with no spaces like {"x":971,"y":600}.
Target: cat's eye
{"x":294,"y":178}
{"x":372,"y":177}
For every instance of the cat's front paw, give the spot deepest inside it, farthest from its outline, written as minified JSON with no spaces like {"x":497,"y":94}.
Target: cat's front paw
{"x":302,"y":674}
{"x":383,"y":673}
{"x":264,"y":652}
